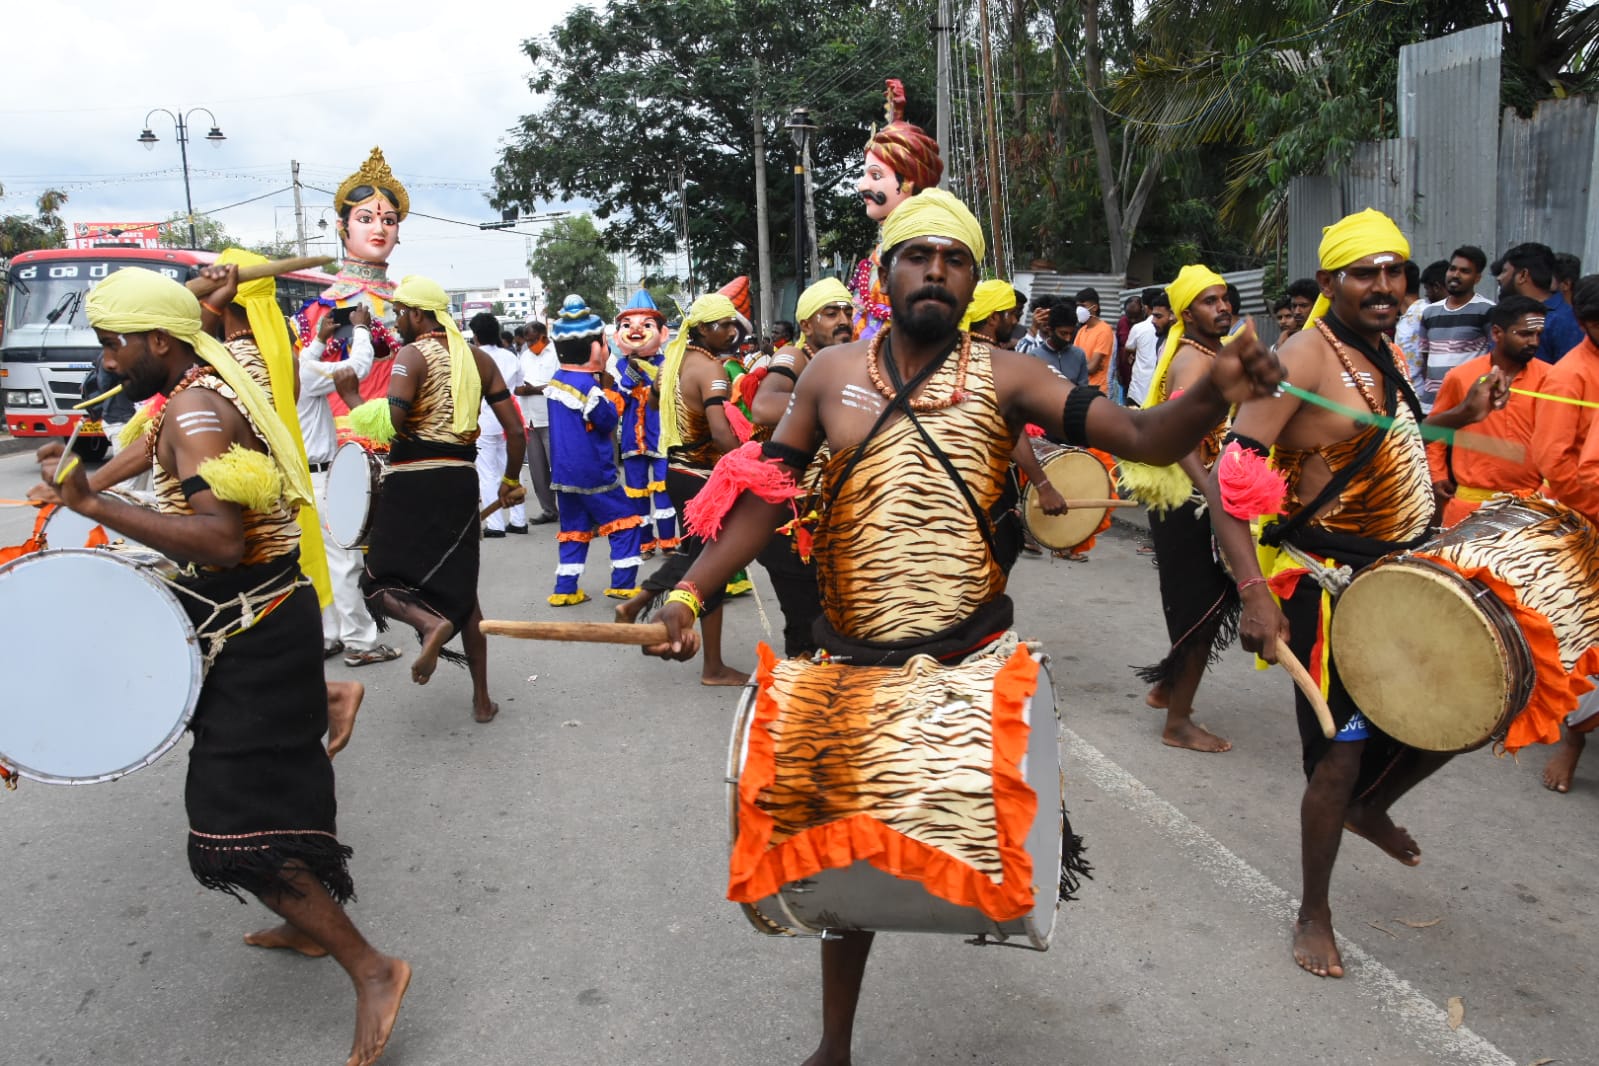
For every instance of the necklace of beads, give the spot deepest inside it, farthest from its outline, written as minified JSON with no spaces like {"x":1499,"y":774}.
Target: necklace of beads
{"x":703,"y":351}
{"x":1349,"y":368}
{"x":190,"y":376}
{"x":237,"y":335}
{"x":924,"y":402}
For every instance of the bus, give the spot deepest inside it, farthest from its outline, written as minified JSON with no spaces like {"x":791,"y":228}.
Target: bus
{"x":47,"y":347}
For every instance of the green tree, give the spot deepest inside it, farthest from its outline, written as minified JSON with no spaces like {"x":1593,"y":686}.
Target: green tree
{"x":210,"y":235}
{"x":642,"y":86}
{"x":26,"y":233}
{"x":570,"y":258}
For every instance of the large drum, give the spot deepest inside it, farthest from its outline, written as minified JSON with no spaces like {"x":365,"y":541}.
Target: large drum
{"x":1442,"y":647}
{"x":65,"y":528}
{"x":861,"y":896}
{"x":355,"y":478}
{"x":78,"y":712}
{"x":1076,"y":474}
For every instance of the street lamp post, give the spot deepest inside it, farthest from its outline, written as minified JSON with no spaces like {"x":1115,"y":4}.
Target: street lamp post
{"x":181,"y":121}
{"x":800,"y":128}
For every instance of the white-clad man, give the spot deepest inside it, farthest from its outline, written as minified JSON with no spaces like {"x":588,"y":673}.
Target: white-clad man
{"x":347,"y":626}
{"x":1144,"y":342}
{"x":539,"y":365}
{"x":491,"y":435}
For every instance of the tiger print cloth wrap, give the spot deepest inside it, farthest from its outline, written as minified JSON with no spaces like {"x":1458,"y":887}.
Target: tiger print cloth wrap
{"x":433,"y":411}
{"x":915,"y":769}
{"x":1546,"y":573}
{"x":899,"y":551}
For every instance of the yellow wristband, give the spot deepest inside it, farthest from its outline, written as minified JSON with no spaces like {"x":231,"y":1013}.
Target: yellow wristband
{"x":686,"y":598}
{"x":511,"y":482}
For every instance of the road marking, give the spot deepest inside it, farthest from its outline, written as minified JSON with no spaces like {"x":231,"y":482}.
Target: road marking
{"x":1419,"y":1017}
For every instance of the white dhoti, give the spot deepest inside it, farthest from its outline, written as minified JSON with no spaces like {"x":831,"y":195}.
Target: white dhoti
{"x":346,"y":618}
{"x":490,"y":469}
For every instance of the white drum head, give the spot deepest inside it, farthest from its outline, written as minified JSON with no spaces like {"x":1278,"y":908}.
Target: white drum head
{"x":81,"y":711}
{"x":66,"y":528}
{"x":347,"y":500}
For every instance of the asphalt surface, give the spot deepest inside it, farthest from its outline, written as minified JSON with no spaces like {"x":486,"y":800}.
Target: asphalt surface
{"x":556,"y":878}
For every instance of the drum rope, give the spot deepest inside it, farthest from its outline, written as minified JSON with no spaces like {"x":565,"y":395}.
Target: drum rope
{"x":254,"y":605}
{"x":1333,"y":579}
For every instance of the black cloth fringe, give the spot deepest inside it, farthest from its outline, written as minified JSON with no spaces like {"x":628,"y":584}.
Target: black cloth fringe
{"x":1074,"y":864}
{"x":408,"y":596}
{"x":268,"y":868}
{"x":1211,"y":636}
{"x":1197,"y":596}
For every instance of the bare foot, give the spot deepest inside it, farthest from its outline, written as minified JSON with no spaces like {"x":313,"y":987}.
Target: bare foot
{"x":433,"y":641}
{"x":377,"y":1004}
{"x":628,"y":612}
{"x":286,"y":936}
{"x":726,"y":676}
{"x":1315,"y":949}
{"x":1380,"y":829}
{"x":344,"y":700}
{"x":485,"y":712}
{"x":1562,"y":765}
{"x":1158,"y":696}
{"x":1185,"y":733}
{"x":823,"y":1057}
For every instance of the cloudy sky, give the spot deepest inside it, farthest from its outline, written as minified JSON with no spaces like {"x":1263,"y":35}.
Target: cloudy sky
{"x":436,"y":85}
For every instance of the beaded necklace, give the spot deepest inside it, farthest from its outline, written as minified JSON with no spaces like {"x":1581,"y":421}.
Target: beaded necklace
{"x":924,"y":402}
{"x":1349,"y":368}
{"x":237,"y":335}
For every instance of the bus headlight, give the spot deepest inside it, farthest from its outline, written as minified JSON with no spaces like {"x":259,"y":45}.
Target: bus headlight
{"x":24,"y":398}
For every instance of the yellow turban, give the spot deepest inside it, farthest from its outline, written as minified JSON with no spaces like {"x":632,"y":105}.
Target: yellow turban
{"x":712,"y":307}
{"x":989,"y":297}
{"x":1354,"y":237}
{"x":466,"y":387}
{"x":135,"y":300}
{"x":260,"y":302}
{"x":934,"y":213}
{"x":1192,"y":280}
{"x":824,"y":292}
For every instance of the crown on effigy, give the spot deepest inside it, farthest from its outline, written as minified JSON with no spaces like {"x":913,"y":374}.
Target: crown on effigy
{"x":376,"y":173}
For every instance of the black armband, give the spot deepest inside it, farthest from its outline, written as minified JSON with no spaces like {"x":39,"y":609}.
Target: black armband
{"x":404,"y":405}
{"x":798,"y":458}
{"x":1247,"y":443}
{"x":494,"y":397}
{"x":1075,"y":414}
{"x":783,"y":371}
{"x":714,"y":400}
{"x":193,"y":486}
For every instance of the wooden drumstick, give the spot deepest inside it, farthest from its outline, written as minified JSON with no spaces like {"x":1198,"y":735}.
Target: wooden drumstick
{"x":586,"y":632}
{"x":270,"y":269}
{"x":1308,"y":686}
{"x":1107,"y":504}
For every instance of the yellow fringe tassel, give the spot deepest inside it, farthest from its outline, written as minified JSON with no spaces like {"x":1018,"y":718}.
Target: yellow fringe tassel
{"x":248,"y":478}
{"x":372,"y":420}
{"x":1160,"y":488}
{"x":136,"y":429}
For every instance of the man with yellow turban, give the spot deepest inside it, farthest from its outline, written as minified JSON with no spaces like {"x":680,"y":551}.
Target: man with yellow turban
{"x":260,"y":795}
{"x":1357,"y":484}
{"x":919,"y":423}
{"x":1198,"y":599}
{"x":423,"y":553}
{"x":692,"y":393}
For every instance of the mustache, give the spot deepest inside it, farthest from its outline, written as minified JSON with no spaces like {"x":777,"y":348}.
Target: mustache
{"x":932,"y":292}
{"x":878,"y":198}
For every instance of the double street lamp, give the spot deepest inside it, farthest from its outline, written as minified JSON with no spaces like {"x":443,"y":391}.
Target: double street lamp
{"x":181,"y":122}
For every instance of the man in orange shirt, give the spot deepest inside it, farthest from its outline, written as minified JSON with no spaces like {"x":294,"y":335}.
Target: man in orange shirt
{"x":1097,"y":339}
{"x":1461,"y":477}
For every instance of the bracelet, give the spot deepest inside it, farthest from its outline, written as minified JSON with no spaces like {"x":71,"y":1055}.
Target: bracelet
{"x":208,"y":307}
{"x":514,"y":483}
{"x":690,"y":588}
{"x":1250,"y":581}
{"x":687,"y":599}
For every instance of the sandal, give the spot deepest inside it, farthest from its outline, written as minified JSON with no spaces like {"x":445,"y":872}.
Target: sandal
{"x":381,"y":653}
{"x":330,"y":650}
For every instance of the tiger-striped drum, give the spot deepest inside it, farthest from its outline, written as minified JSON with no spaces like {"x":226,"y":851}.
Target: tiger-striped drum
{"x":860,"y":896}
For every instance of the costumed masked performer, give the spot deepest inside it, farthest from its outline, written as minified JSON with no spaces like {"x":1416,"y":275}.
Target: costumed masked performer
{"x":901,"y":160}
{"x":1197,"y":596}
{"x":228,"y":477}
{"x":640,"y":332}
{"x":371,"y":204}
{"x":891,"y":510}
{"x":1356,"y":490}
{"x":588,"y":491}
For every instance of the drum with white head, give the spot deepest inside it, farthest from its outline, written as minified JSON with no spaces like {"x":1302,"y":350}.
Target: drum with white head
{"x":66,"y":528}
{"x":355,"y":477}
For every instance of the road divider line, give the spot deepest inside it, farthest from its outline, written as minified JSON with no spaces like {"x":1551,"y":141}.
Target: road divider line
{"x":1420,"y":1018}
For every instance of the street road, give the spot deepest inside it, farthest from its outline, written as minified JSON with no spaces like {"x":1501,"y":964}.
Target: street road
{"x":556,"y":878}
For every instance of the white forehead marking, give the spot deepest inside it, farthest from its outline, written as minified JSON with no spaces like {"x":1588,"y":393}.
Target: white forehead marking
{"x":1535,"y":323}
{"x":1381,"y":259}
{"x":942,"y":242}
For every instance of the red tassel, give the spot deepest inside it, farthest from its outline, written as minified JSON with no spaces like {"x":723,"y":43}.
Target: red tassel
{"x":1250,"y":489}
{"x":1034,"y":431}
{"x":741,"y":470}
{"x":742,"y":429}
{"x":749,"y":384}
{"x":803,"y":542}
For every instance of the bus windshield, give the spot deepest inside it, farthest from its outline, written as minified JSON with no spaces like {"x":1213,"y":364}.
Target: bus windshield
{"x":53,"y":293}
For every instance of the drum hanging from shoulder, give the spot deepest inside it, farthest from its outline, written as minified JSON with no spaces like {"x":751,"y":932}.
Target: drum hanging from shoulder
{"x":928,"y":782}
{"x":65,"y":528}
{"x":1076,"y":474}
{"x":83,"y":712}
{"x":355,"y":478}
{"x":1428,"y":642}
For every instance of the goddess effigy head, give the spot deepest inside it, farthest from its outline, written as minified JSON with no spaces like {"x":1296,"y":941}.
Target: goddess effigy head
{"x":371,"y":204}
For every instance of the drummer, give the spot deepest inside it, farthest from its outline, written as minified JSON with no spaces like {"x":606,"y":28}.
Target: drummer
{"x":1356,"y":490}
{"x":259,"y":796}
{"x":895,"y":514}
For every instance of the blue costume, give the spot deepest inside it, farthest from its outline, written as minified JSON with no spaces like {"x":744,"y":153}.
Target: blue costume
{"x":641,"y":329}
{"x":583,"y":473}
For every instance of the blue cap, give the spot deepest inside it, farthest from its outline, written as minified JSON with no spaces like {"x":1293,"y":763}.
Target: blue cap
{"x":642,"y":301}
{"x":576,"y":321}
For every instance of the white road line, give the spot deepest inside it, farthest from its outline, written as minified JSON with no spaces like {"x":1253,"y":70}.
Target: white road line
{"x":1419,"y":1017}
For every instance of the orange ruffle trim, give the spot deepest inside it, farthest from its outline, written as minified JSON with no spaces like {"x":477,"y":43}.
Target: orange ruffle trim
{"x":630,"y":522}
{"x":1109,"y":462}
{"x":1555,"y":689}
{"x":757,"y":870}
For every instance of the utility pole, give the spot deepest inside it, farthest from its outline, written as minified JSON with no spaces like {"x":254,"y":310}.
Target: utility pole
{"x":299,"y":208}
{"x":810,"y":209}
{"x":806,"y":267}
{"x":688,"y":247}
{"x":941,"y":127}
{"x":763,"y":236}
{"x":996,"y":209}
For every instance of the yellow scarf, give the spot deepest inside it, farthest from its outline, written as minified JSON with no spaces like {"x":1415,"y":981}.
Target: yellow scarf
{"x":1192,"y":280}
{"x":1355,"y":237}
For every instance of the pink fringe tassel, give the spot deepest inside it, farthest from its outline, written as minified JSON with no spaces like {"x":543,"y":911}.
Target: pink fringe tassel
{"x":739,"y":471}
{"x":1250,"y":488}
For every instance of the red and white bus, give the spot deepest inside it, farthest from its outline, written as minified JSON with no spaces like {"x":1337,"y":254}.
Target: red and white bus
{"x":48,"y":348}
